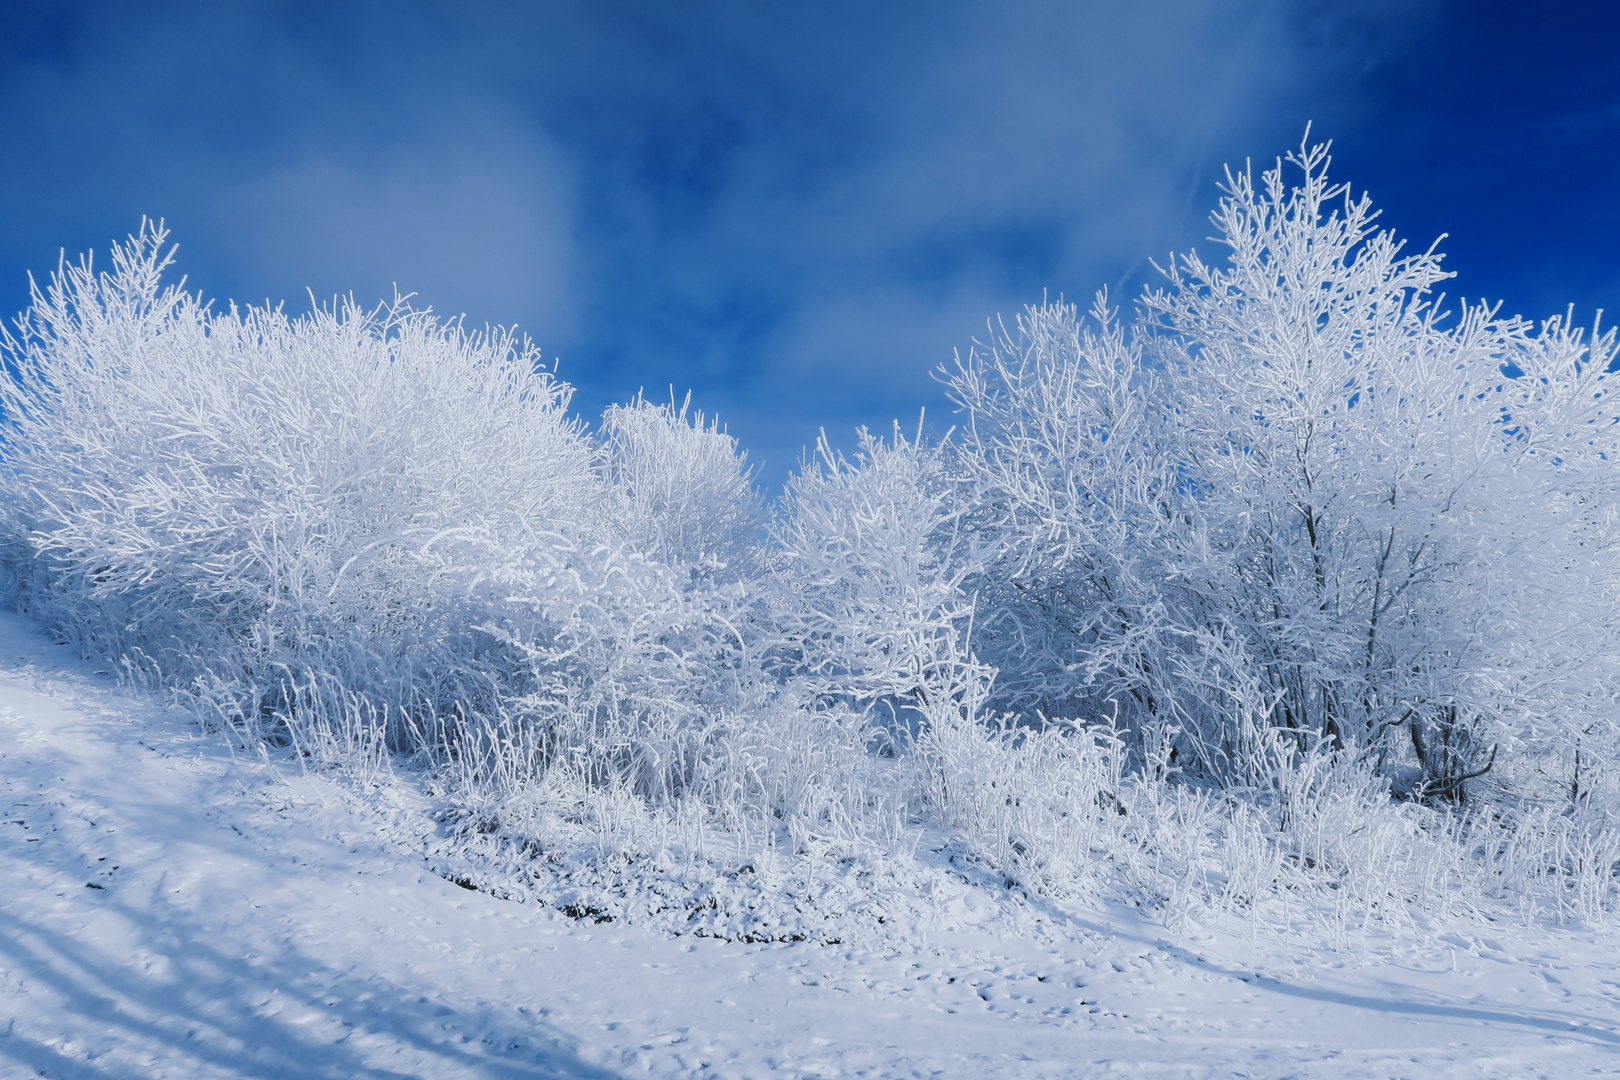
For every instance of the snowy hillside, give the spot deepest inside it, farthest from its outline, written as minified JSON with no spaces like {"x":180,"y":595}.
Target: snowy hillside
{"x":1235,"y":690}
{"x":170,"y":910}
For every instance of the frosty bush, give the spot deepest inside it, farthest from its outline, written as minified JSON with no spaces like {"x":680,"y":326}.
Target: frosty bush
{"x":370,"y":521}
{"x":238,"y":501}
{"x":682,"y":490}
{"x":873,"y":607}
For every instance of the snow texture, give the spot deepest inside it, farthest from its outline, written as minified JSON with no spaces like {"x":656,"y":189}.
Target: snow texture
{"x":174,"y":910}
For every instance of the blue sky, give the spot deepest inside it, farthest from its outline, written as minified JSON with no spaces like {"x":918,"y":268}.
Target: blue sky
{"x":795,"y":211}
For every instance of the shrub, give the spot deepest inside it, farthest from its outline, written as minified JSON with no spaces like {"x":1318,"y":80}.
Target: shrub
{"x":870,"y":579}
{"x":298,"y":522}
{"x":682,"y":490}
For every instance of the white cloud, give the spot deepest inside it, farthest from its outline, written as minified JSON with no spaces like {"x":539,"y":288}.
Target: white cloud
{"x":799,"y":211}
{"x":473,"y":221}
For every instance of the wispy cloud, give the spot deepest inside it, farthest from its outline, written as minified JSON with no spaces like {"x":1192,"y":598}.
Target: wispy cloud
{"x":796,"y":211}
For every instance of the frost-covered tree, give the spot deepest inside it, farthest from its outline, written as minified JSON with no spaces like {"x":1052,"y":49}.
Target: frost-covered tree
{"x":1300,"y":497}
{"x":1067,"y":477}
{"x":1413,"y":514}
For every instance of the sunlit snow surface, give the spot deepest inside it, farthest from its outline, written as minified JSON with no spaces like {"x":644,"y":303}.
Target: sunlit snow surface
{"x":167,"y":910}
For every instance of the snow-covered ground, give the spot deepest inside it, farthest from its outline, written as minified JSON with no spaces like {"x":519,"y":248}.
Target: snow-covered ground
{"x":167,"y":909}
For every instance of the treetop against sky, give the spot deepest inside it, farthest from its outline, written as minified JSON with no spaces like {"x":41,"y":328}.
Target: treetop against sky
{"x":796,"y":213}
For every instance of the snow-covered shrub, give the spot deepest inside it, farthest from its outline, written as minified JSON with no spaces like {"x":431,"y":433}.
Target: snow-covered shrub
{"x":872,"y":608}
{"x":240,"y":500}
{"x":368,"y":518}
{"x":682,"y":490}
{"x":1044,"y":806}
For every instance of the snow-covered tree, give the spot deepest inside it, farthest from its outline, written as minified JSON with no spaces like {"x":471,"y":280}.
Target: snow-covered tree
{"x":1300,"y":497}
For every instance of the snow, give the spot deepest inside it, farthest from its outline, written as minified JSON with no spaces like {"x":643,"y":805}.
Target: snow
{"x":172,"y":909}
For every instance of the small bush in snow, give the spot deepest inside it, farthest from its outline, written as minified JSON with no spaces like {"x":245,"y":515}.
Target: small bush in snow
{"x":874,"y":610}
